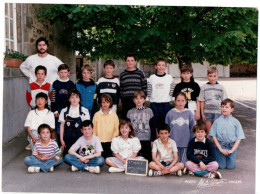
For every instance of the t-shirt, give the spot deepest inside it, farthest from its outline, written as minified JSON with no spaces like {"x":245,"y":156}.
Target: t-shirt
{"x":74,"y":113}
{"x":85,"y":147}
{"x":125,"y":148}
{"x":35,"y":118}
{"x":50,"y":150}
{"x":164,"y":154}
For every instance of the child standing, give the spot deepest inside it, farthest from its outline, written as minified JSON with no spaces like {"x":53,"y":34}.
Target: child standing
{"x":85,"y":153}
{"x":201,"y":154}
{"x":109,"y":84}
{"x":87,"y":88}
{"x":38,"y":86}
{"x":140,"y":117}
{"x":131,"y":80}
{"x":71,"y":118}
{"x":124,"y":146}
{"x":211,"y":95}
{"x":106,"y":124}
{"x":227,"y":133}
{"x":191,"y":89}
{"x":38,"y":116}
{"x":61,"y":89}
{"x":160,"y":90}
{"x":181,"y":122}
{"x":164,"y":153}
{"x":46,"y":153}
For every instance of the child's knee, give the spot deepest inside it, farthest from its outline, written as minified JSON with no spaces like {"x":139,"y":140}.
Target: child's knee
{"x":100,"y":161}
{"x":27,"y":160}
{"x":108,"y":161}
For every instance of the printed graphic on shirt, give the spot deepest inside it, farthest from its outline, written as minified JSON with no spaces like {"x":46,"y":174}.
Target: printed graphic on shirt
{"x":140,"y":122}
{"x":159,"y":86}
{"x":199,"y":153}
{"x":187,"y":92}
{"x":180,"y":121}
{"x":87,"y":150}
{"x":63,"y":91}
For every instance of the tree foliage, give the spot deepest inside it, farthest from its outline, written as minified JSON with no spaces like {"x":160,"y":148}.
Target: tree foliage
{"x":179,"y":34}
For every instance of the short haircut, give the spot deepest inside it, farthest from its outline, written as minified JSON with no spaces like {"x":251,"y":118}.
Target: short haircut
{"x":41,"y":39}
{"x":87,"y":67}
{"x":212,"y":69}
{"x":139,"y":93}
{"x":107,"y":98}
{"x":131,"y":55}
{"x":109,"y":62}
{"x":200,"y":125}
{"x":161,"y":59}
{"x":227,"y":100}
{"x":44,"y":126}
{"x":86,"y":123}
{"x":63,"y":67}
{"x":40,"y":67}
{"x":163,"y":126}
{"x":126,"y":122}
{"x":74,"y":92}
{"x":186,"y":68}
{"x":42,"y":95}
{"x":181,"y":94}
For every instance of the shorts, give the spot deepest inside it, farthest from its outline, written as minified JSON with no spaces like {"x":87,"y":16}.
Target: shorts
{"x":166,"y":163}
{"x":211,"y":116}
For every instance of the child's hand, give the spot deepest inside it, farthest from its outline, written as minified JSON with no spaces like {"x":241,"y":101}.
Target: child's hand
{"x":124,"y":161}
{"x":203,"y":118}
{"x":224,"y":152}
{"x":197,"y":116}
{"x":34,"y":140}
{"x":86,"y":161}
{"x":56,"y":114}
{"x":62,"y":144}
{"x":230,"y":152}
{"x":202,"y":166}
{"x":165,"y":171}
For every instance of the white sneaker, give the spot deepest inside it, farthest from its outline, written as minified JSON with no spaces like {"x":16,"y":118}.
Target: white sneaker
{"x":94,"y":169}
{"x":152,"y":172}
{"x":185,"y":171}
{"x":179,"y":173}
{"x":74,"y":168}
{"x":113,"y":169}
{"x":51,"y":169}
{"x":28,"y":147}
{"x":215,"y":174}
{"x":33,"y":169}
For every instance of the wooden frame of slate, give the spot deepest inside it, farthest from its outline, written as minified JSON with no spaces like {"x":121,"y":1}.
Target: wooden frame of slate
{"x":138,"y":167}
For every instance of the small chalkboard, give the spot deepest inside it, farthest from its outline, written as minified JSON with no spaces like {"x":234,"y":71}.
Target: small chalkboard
{"x":137,"y":167}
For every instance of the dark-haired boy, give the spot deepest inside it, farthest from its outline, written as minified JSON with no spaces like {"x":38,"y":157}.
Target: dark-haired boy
{"x":61,"y":88}
{"x":201,"y":154}
{"x":109,"y":84}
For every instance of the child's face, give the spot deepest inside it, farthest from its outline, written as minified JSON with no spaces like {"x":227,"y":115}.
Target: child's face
{"x":109,"y":70}
{"x":45,"y":134}
{"x":160,"y":67}
{"x":64,"y":73}
{"x":186,"y":76}
{"x":87,"y":131}
{"x":40,"y":102}
{"x":74,"y":100}
{"x":139,"y":101}
{"x":125,"y":130}
{"x":164,"y":135}
{"x":86,"y":75}
{"x":226,"y":109}
{"x":40,"y":75}
{"x":130,"y":63}
{"x":200,"y":134}
{"x":180,"y":102}
{"x":105,"y":104}
{"x":212,"y":77}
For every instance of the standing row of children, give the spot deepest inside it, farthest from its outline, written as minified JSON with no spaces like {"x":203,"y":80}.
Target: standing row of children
{"x":139,"y":134}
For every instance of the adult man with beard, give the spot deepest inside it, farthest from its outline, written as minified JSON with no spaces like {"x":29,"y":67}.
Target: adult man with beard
{"x":41,"y":58}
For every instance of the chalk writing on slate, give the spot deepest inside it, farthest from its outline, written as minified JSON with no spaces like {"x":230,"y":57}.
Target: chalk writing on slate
{"x":136,"y":167}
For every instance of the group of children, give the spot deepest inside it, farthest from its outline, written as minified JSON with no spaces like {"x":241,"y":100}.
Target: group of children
{"x":174,"y":141}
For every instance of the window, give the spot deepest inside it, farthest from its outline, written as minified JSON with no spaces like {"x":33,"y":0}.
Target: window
{"x":10,"y":26}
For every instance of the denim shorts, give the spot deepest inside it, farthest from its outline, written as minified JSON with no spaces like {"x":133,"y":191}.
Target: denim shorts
{"x":166,"y":164}
{"x":211,"y":116}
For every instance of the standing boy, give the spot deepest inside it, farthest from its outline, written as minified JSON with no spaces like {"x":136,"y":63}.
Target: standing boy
{"x":109,"y":84}
{"x":61,"y":88}
{"x":87,"y":88}
{"x":211,"y":95}
{"x":227,"y":133}
{"x":40,"y":85}
{"x":160,"y":91}
{"x":131,"y":80}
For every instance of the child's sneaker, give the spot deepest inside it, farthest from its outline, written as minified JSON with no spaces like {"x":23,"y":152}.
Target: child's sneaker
{"x":185,"y":171}
{"x":33,"y":169}
{"x":179,"y":173}
{"x":113,"y":169}
{"x":94,"y":169}
{"x":215,"y":174}
{"x":191,"y":173}
{"x":51,"y":169}
{"x":28,"y":147}
{"x":74,"y":168}
{"x":154,"y":173}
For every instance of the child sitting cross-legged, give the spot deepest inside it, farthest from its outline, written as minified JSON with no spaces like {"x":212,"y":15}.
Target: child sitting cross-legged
{"x":89,"y":150}
{"x":201,"y":154}
{"x":164,"y":154}
{"x":124,"y":146}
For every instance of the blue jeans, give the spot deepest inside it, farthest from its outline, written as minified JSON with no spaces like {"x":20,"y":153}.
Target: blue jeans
{"x":36,"y":135}
{"x":44,"y":165}
{"x":211,"y":116}
{"x":226,"y":161}
{"x":73,"y":160}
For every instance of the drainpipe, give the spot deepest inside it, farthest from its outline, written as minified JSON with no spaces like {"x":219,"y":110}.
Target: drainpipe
{"x":22,"y":27}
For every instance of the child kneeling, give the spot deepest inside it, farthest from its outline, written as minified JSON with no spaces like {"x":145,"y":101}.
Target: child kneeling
{"x":46,"y":153}
{"x":124,"y":146}
{"x":89,"y":156}
{"x":201,"y":154}
{"x":164,"y":154}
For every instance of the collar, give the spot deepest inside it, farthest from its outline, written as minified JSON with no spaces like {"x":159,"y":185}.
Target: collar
{"x":204,"y":140}
{"x":63,"y":80}
{"x":212,"y":84}
{"x":131,"y":70}
{"x":179,"y":110}
{"x":160,"y":75}
{"x":44,"y":82}
{"x":110,"y":111}
{"x":140,"y":108}
{"x":160,"y":141}
{"x":109,"y":77}
{"x":226,"y":117}
{"x":91,"y":82}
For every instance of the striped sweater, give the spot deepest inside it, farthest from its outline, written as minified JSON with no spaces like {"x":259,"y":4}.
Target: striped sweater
{"x":50,"y":150}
